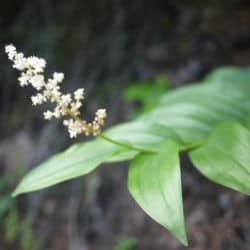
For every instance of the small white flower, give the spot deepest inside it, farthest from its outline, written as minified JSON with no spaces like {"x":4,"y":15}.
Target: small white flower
{"x":75,"y":128}
{"x":75,"y":106}
{"x":36,"y":63}
{"x":55,"y":95}
{"x":48,"y":115}
{"x":20,"y":62}
{"x":65,"y":100}
{"x":52,"y":84}
{"x":57,"y":112}
{"x":101,"y":113}
{"x":38,"y":99}
{"x":11,"y":51}
{"x":58,"y":77}
{"x":24,"y":80}
{"x":79,"y":94}
{"x":66,"y":122}
{"x":37,"y":81}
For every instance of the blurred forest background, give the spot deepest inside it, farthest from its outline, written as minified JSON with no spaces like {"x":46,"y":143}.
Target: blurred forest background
{"x":106,"y":47}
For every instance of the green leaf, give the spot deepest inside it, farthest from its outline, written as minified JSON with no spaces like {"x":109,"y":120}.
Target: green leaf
{"x":155,"y":183}
{"x":225,"y":158}
{"x":234,"y":75}
{"x":193,"y":111}
{"x":126,"y":244}
{"x":147,"y":93}
{"x":83,"y":158}
{"x":78,"y":160}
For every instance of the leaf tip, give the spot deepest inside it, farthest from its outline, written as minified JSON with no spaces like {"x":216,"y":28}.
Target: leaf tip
{"x":184,"y":241}
{"x":181,"y":236}
{"x":16,"y":192}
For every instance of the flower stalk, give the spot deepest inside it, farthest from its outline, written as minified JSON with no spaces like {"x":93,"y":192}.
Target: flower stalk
{"x":66,"y":105}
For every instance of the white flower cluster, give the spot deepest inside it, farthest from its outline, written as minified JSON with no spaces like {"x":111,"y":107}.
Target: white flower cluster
{"x":68,"y":105}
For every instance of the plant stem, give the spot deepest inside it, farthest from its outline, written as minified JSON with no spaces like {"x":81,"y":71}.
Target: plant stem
{"x":193,"y":145}
{"x":182,"y":148}
{"x":126,"y":145}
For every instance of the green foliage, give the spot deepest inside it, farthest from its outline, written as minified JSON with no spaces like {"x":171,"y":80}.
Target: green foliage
{"x":12,"y":225}
{"x":146,"y":93}
{"x":13,"y":228}
{"x":6,"y":202}
{"x":29,"y":240}
{"x":8,"y":210}
{"x":17,"y":230}
{"x":155,"y":183}
{"x":225,"y":159}
{"x":209,"y":119}
{"x":126,"y":244}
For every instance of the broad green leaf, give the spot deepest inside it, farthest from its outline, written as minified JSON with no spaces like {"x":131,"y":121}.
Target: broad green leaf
{"x":154,"y":181}
{"x":83,"y":158}
{"x":192,"y":112}
{"x":225,"y":158}
{"x":235,"y":75}
{"x":78,"y":160}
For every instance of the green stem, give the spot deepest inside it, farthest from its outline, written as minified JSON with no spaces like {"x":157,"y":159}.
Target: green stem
{"x":126,"y":145}
{"x":183,"y":148}
{"x":190,"y":146}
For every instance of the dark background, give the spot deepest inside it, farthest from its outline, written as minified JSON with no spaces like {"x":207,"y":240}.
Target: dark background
{"x":103,"y":46}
